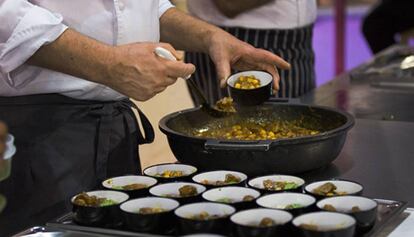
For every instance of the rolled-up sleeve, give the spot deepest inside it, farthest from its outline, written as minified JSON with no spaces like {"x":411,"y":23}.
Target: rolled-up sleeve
{"x":24,"y":28}
{"x":163,"y":6}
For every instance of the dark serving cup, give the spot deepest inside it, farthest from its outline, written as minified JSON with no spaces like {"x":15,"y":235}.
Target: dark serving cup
{"x":220,"y":225}
{"x":105,"y":216}
{"x":246,"y":223}
{"x":365,"y":216}
{"x":257,"y":183}
{"x":281,"y":200}
{"x":116,"y":184}
{"x":328,"y":224}
{"x":171,"y":190}
{"x":232,"y":196}
{"x":350,"y":187}
{"x":155,"y":171}
{"x":208,"y":179}
{"x":244,"y":97}
{"x":156,"y":223}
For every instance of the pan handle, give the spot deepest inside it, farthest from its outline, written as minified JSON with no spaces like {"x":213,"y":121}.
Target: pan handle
{"x":235,"y":145}
{"x":282,"y":100}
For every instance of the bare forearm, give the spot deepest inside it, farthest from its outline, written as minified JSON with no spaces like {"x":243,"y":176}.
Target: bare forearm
{"x":185,"y":32}
{"x":232,"y":8}
{"x":75,"y":54}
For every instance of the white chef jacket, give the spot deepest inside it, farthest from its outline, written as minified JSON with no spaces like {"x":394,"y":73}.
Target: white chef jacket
{"x":277,"y":14}
{"x":27,"y":25}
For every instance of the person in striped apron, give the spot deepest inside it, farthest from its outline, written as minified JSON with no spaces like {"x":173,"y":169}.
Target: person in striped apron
{"x":281,"y":26}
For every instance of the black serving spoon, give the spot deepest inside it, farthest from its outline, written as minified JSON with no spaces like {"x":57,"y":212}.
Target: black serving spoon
{"x":205,"y":106}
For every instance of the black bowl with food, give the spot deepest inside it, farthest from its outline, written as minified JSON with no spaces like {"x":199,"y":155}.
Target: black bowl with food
{"x":250,"y":87}
{"x":261,"y":222}
{"x":239,"y":197}
{"x":134,"y":185}
{"x":277,"y":183}
{"x":363,"y":209}
{"x":98,"y":208}
{"x":331,"y":188}
{"x":150,"y":215}
{"x":295,"y":203}
{"x":165,"y":173}
{"x":183,"y":192}
{"x":220,"y":178}
{"x":205,"y":217}
{"x":324,"y":224}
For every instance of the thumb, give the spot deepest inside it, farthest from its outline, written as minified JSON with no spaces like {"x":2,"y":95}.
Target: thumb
{"x":223,"y":71}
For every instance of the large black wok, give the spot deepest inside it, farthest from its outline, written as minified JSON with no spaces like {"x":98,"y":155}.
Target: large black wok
{"x":286,"y":156}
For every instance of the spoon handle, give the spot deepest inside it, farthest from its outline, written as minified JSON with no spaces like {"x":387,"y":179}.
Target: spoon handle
{"x":166,"y":54}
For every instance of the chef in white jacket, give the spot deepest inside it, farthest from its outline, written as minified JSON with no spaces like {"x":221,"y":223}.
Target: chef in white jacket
{"x":67,"y":69}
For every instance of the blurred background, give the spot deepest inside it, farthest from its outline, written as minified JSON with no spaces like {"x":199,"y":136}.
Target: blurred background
{"x":342,"y":18}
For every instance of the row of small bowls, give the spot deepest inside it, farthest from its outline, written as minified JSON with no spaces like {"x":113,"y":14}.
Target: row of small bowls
{"x":112,"y":216}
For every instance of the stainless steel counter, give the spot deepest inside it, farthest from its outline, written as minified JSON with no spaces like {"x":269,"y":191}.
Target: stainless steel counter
{"x":379,"y":151}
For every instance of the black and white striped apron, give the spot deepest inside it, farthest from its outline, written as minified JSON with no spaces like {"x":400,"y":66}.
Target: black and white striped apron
{"x":293,"y":45}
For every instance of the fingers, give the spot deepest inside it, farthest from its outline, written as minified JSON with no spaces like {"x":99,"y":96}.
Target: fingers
{"x":275,"y":74}
{"x":223,"y":71}
{"x":176,"y":69}
{"x":270,"y":58}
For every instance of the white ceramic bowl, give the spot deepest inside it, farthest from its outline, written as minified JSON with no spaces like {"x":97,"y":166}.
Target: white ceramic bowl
{"x":116,"y":182}
{"x":264,"y":77}
{"x":351,"y":188}
{"x":258,"y":182}
{"x":155,"y":170}
{"x":189,"y":210}
{"x":134,"y":205}
{"x":281,"y":200}
{"x":253,"y":217}
{"x":233,"y":193}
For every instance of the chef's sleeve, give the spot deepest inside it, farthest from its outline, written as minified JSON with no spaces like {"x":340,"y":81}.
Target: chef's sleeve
{"x":24,"y":28}
{"x":163,"y":6}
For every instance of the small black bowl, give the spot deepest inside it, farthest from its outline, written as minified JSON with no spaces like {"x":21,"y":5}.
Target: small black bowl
{"x":171,"y":190}
{"x":246,"y":223}
{"x":328,"y":224}
{"x":105,"y":216}
{"x":257,"y":183}
{"x":281,"y":200}
{"x":208,"y":179}
{"x":365,"y":216}
{"x":156,"y":223}
{"x":155,"y":171}
{"x":232,"y":196}
{"x":244,"y":97}
{"x":350,"y":187}
{"x":117,"y":183}
{"x":220,"y":225}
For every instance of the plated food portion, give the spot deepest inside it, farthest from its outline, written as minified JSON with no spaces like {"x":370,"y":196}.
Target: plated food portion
{"x":261,"y":222}
{"x":239,"y":197}
{"x":134,"y":185}
{"x":171,"y":172}
{"x":277,"y":183}
{"x":247,"y":82}
{"x":295,"y":203}
{"x":146,"y":214}
{"x":220,"y":178}
{"x":250,"y":87}
{"x":98,"y":207}
{"x":204,"y":217}
{"x":363,"y":209}
{"x":325,"y":224}
{"x":332,"y":188}
{"x":183,"y":191}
